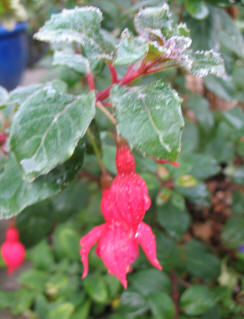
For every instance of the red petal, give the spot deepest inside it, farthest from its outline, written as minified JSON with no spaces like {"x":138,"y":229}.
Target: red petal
{"x":87,"y":242}
{"x":146,"y":239}
{"x":118,"y":249}
{"x":130,"y":198}
{"x":125,"y":162}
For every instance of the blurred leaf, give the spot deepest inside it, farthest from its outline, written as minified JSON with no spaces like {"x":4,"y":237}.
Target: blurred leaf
{"x":238,"y":176}
{"x":220,"y":86}
{"x":22,"y":302}
{"x":161,"y":305}
{"x":199,"y":262}
{"x":6,"y":299}
{"x":149,"y":281}
{"x":167,"y":252}
{"x":130,"y":49}
{"x":61,"y":310}
{"x":66,"y":242}
{"x":233,"y":232}
{"x":207,"y":62}
{"x":198,"y":194}
{"x":41,"y":256}
{"x":34,"y":279}
{"x":95,"y":286}
{"x":196,"y":300}
{"x":174,"y":220}
{"x":238,"y":203}
{"x":82,"y":312}
{"x":197,"y":8}
{"x":133,"y":304}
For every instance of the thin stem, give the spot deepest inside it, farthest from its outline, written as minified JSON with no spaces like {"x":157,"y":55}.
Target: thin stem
{"x":175,"y":293}
{"x":91,"y":82}
{"x":12,"y":222}
{"x":113,"y":73}
{"x":106,"y":112}
{"x":96,"y":150}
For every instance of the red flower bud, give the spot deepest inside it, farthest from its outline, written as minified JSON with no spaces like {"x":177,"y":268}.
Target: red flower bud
{"x":13,"y":252}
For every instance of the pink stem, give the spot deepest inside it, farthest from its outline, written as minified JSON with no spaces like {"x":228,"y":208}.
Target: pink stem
{"x":113,"y":73}
{"x":91,"y":82}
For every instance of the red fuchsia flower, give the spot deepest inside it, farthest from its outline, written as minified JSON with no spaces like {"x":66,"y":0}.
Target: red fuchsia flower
{"x":123,"y":205}
{"x":12,"y":250}
{"x":3,"y":138}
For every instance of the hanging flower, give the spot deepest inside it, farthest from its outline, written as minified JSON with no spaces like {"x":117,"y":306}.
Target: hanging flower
{"x":13,"y":252}
{"x":123,"y":205}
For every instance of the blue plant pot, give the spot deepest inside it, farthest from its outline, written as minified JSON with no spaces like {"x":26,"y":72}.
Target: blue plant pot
{"x":13,"y":55}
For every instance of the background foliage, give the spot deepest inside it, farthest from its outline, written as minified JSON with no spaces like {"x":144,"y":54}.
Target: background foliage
{"x":198,"y":208}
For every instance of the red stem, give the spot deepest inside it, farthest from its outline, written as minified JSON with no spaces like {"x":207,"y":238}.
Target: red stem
{"x":113,"y":73}
{"x":3,"y":138}
{"x":162,"y":161}
{"x":91,"y":82}
{"x":175,"y":293}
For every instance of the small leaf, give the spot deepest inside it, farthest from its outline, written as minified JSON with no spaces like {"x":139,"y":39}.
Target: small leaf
{"x":170,"y":257}
{"x":34,"y":279}
{"x":41,"y":256}
{"x":149,"y":118}
{"x":62,"y":310}
{"x":207,"y":62}
{"x":148,"y":281}
{"x":174,"y":220}
{"x":133,"y":304}
{"x":197,"y":8}
{"x":233,"y":232}
{"x":154,"y":18}
{"x":47,"y":128}
{"x":199,"y":262}
{"x":196,"y":300}
{"x":80,"y":25}
{"x":130,"y":49}
{"x":74,"y":61}
{"x":96,"y":288}
{"x":161,"y":305}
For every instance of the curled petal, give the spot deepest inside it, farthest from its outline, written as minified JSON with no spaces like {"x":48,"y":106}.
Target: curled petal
{"x":87,"y":242}
{"x":118,"y":249}
{"x":146,"y":239}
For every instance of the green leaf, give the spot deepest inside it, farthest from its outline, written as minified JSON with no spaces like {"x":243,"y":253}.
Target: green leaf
{"x":238,"y":176}
{"x":200,"y":106}
{"x":158,"y":18}
{"x":72,"y":60}
{"x":34,"y":279}
{"x":16,"y":193}
{"x":149,"y":118}
{"x":199,"y":262}
{"x":170,"y":257}
{"x":61,"y":310}
{"x":130,"y":49}
{"x":220,"y":86}
{"x":133,"y":304}
{"x":207,"y":62}
{"x":174,"y":220}
{"x":198,"y":194}
{"x":80,"y":25}
{"x":161,"y":305}
{"x":82,"y":312}
{"x":238,"y":203}
{"x":66,"y":242}
{"x":149,"y":281}
{"x":202,"y":166}
{"x":22,"y":302}
{"x":96,"y":288}
{"x":233,"y":232}
{"x":197,"y":8}
{"x":41,"y":256}
{"x":196,"y":300}
{"x":47,"y":128}
{"x":6,"y":299}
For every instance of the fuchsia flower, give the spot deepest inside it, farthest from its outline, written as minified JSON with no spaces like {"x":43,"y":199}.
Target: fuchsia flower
{"x":13,"y":252}
{"x":123,"y":205}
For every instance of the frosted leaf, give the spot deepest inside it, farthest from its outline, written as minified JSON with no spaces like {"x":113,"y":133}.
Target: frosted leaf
{"x":72,"y":60}
{"x":130,"y":49}
{"x":207,"y":62}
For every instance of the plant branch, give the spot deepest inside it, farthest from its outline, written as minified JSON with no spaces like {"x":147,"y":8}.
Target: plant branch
{"x":113,"y":73}
{"x":96,"y":150}
{"x":175,"y":293}
{"x":106,"y":112}
{"x":91,"y":82}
